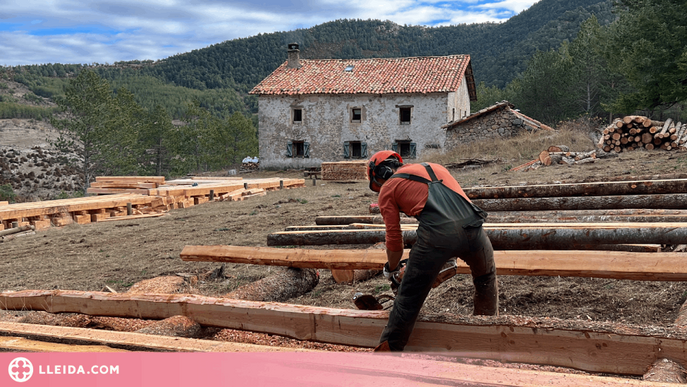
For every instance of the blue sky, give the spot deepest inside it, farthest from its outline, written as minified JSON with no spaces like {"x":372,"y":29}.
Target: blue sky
{"x":78,"y":31}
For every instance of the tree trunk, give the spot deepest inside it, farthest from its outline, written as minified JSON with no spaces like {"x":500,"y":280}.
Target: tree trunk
{"x":288,"y":283}
{"x":532,"y":237}
{"x":580,"y":189}
{"x":659,"y":201}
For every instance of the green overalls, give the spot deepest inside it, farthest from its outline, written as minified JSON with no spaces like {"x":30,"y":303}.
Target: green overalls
{"x":449,"y":226}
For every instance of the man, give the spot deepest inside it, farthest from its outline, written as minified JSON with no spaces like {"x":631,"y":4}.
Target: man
{"x":449,"y":226}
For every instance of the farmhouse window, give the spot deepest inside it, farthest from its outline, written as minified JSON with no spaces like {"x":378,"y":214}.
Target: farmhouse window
{"x":356,"y":114}
{"x":355,"y":150}
{"x":297,"y":116}
{"x":405,"y":148}
{"x":298,"y":148}
{"x":404,"y":115}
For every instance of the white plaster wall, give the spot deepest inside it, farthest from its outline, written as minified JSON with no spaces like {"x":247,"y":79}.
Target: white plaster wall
{"x":460,"y":101}
{"x":327,"y":125}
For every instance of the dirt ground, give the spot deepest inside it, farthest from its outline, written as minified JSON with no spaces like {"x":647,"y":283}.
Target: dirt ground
{"x":120,"y":254}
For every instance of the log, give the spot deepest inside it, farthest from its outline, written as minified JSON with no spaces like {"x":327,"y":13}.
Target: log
{"x":666,"y":126}
{"x":659,"y":201}
{"x":590,"y":346}
{"x":508,"y":238}
{"x":544,"y":158}
{"x":590,"y":216}
{"x":288,"y":283}
{"x":580,"y":189}
{"x":597,"y":264}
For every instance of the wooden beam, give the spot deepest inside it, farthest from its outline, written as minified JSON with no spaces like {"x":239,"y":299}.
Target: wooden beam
{"x":67,"y":339}
{"x":580,"y":189}
{"x":61,"y":206}
{"x":598,"y":264}
{"x":590,"y":346}
{"x":21,"y":344}
{"x":657,"y":201}
{"x":582,"y":236}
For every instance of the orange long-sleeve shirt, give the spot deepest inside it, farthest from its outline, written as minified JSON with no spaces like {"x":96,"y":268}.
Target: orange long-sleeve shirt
{"x":409,"y":197}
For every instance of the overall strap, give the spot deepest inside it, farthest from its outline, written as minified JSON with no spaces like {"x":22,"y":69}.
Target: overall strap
{"x":430,"y":171}
{"x":410,"y":177}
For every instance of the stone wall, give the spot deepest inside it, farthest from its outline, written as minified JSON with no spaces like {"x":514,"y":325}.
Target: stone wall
{"x":327,"y":123}
{"x":500,"y":123}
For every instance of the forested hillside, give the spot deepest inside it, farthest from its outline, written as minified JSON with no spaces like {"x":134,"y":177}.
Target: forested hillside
{"x":219,"y":76}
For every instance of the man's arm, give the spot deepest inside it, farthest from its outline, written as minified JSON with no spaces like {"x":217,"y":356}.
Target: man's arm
{"x":394,"y":257}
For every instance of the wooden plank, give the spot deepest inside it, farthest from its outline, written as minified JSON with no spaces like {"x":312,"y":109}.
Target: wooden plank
{"x":590,"y":346}
{"x":21,"y":344}
{"x":216,"y":178}
{"x":138,"y":179}
{"x":146,"y":186}
{"x":118,"y":341}
{"x":598,"y":264}
{"x":132,"y":217}
{"x":50,"y":207}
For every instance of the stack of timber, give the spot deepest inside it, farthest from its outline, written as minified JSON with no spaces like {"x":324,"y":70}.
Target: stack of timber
{"x":613,"y":348}
{"x":633,"y":132}
{"x":345,"y":170}
{"x":78,"y":210}
{"x":107,"y":185}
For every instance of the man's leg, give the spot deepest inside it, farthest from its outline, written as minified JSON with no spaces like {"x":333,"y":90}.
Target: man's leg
{"x":423,"y":266}
{"x":480,"y":258}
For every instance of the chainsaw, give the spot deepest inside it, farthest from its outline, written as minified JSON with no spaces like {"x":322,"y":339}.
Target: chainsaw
{"x":370,"y":302}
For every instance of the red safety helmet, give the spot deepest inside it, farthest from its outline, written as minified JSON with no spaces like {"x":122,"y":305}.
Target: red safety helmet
{"x":385,"y":173}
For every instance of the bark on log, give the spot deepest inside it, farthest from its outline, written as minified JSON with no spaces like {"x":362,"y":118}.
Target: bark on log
{"x":586,"y":345}
{"x":288,"y":283}
{"x":660,"y":201}
{"x":643,"y":266}
{"x":580,"y":189}
{"x":504,"y":238}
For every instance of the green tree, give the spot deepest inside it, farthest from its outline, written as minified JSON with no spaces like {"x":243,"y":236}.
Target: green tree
{"x":94,"y":130}
{"x":542,"y":90}
{"x":235,"y":138}
{"x":157,"y":139}
{"x":648,"y":45}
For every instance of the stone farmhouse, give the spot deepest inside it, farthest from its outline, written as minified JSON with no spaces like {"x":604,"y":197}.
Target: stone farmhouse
{"x":321,"y":110}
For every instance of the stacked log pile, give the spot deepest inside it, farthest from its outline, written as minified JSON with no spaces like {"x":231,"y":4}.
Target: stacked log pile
{"x":634,"y":132}
{"x":345,"y":170}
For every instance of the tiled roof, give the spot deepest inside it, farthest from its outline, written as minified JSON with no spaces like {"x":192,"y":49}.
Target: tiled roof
{"x":433,"y":74}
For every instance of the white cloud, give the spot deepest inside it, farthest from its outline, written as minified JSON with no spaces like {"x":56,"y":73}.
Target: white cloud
{"x":75,"y":31}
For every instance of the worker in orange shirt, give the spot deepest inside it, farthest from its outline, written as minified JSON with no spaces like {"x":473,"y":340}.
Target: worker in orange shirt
{"x":450,"y":225}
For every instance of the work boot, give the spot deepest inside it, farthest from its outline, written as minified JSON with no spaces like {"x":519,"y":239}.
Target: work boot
{"x":486,"y":298}
{"x":383,"y":347}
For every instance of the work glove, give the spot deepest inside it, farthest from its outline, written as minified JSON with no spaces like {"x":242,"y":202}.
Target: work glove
{"x":395,"y":276}
{"x":388,"y":273}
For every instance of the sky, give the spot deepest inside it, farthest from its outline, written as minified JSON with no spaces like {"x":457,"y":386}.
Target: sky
{"x":85,"y":31}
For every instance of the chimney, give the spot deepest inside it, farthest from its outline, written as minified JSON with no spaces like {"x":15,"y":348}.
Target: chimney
{"x":294,"y":61}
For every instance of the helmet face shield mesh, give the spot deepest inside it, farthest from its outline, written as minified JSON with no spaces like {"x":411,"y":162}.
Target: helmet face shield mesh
{"x":377,"y":159}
